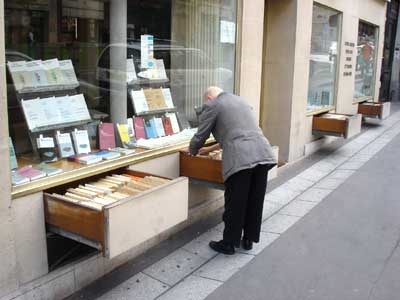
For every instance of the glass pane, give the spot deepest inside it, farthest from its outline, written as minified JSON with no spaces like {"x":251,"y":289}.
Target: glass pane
{"x":323,"y":58}
{"x":366,"y":60}
{"x":160,"y":54}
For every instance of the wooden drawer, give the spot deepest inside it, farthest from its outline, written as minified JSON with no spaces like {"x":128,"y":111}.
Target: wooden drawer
{"x":336,"y":125}
{"x":380,"y":110}
{"x":201,"y":168}
{"x":121,"y":225}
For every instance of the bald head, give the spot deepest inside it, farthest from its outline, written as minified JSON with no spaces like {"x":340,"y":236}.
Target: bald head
{"x":212,"y":93}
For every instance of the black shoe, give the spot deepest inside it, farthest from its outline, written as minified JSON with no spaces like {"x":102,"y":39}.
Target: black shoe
{"x":222,"y":247}
{"x":247,"y":244}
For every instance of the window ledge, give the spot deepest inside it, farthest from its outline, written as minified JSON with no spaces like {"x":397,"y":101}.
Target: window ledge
{"x":320,"y":111}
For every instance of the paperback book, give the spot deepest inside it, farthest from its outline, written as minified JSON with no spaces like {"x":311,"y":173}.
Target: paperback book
{"x":106,"y":136}
{"x":31,"y":173}
{"x":64,"y":142}
{"x":81,"y":141}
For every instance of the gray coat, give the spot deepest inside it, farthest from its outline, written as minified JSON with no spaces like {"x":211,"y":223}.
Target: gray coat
{"x":233,"y":124}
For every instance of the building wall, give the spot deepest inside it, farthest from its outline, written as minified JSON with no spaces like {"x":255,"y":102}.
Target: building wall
{"x":284,"y":116}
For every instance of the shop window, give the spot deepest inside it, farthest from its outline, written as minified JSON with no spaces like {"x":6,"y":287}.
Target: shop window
{"x":364,"y":85}
{"x":326,"y":25}
{"x":72,"y":67}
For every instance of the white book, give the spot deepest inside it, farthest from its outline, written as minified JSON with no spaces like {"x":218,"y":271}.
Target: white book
{"x":159,"y":64}
{"x":33,"y":115}
{"x":45,"y":142}
{"x":18,"y":74}
{"x":18,"y":179}
{"x":64,"y":143}
{"x":53,"y":72}
{"x":81,"y":141}
{"x":168,"y":97}
{"x":174,"y":122}
{"x":159,"y":127}
{"x":131,"y":128}
{"x":89,"y":159}
{"x":76,"y":108}
{"x":147,"y":51}
{"x":68,"y":72}
{"x":130,"y":71}
{"x":139,"y":101}
{"x":37,"y":73}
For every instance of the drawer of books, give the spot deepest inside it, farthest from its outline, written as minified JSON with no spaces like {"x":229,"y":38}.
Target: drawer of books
{"x":380,"y":110}
{"x":334,"y":124}
{"x":207,"y":168}
{"x":117,"y":211}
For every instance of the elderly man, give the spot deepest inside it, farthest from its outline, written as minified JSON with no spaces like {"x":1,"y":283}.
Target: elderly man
{"x":246,"y":159}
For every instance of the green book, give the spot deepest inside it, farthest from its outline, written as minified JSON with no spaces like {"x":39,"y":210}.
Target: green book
{"x":13,"y":157}
{"x":49,"y":170}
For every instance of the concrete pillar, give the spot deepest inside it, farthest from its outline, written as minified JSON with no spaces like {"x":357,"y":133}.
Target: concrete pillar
{"x":8,"y":273}
{"x":118,"y":55}
{"x":251,"y":32}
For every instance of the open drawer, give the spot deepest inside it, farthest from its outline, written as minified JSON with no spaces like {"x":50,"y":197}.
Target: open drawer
{"x":123,"y":224}
{"x":334,"y":124}
{"x":379,"y":110}
{"x":202,"y":169}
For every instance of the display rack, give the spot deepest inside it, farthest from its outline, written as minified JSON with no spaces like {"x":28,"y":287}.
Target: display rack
{"x":50,"y":129}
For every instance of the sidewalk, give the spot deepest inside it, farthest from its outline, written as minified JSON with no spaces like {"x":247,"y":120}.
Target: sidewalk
{"x":330,"y":232}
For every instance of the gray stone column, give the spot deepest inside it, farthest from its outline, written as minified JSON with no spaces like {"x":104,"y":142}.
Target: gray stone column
{"x":118,"y":35}
{"x":8,"y":273}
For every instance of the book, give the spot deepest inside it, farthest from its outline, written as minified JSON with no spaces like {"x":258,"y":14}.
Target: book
{"x":159,"y":66}
{"x":130,"y":71}
{"x":167,"y":125}
{"x":64,"y":143}
{"x":139,"y":101}
{"x":155,"y":99}
{"x":81,"y":141}
{"x":174,"y":122}
{"x":131,"y":129}
{"x":107,"y":155}
{"x":124,"y":135}
{"x":140,"y":132}
{"x":159,"y":127}
{"x":46,"y":148}
{"x":13,"y":157}
{"x":168,"y":98}
{"x":18,"y":74}
{"x":106,"y":136}
{"x":150,"y":128}
{"x":31,"y":173}
{"x":68,"y":72}
{"x":122,"y":151}
{"x":146,"y":51}
{"x":53,"y":72}
{"x":49,"y":170}
{"x":89,"y":159}
{"x":37,"y":73}
{"x":18,"y":179}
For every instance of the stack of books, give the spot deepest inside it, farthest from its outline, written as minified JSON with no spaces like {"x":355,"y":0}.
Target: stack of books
{"x":107,"y":190}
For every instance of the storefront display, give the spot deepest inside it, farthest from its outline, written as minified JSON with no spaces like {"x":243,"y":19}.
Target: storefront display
{"x":82,"y":98}
{"x":366,"y":61}
{"x":324,"y":58}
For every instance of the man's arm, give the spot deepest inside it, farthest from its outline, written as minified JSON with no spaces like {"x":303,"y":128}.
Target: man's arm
{"x":207,"y":121}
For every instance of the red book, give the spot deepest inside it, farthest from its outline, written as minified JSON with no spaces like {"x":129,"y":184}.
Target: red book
{"x":106,"y":136}
{"x":140,"y":132}
{"x":167,"y":125}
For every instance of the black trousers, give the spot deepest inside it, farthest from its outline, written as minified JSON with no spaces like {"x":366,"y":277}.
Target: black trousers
{"x":244,"y":200}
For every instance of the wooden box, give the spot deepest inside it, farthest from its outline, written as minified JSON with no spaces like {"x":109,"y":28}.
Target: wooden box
{"x":380,"y":110}
{"x":124,"y":224}
{"x":201,"y":168}
{"x":334,"y":124}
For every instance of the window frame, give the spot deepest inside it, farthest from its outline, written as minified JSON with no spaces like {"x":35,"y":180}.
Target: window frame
{"x":339,"y":57}
{"x":374,"y":77}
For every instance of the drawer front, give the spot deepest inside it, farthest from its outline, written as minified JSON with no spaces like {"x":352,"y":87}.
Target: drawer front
{"x":201,"y":168}
{"x":329,"y":125}
{"x":144,"y":216}
{"x":74,"y":219}
{"x":370,"y":110}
